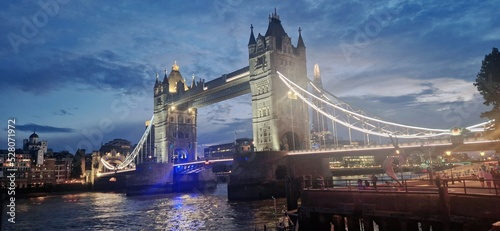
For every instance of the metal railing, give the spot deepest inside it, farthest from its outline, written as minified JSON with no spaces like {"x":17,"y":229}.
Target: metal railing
{"x":461,"y":186}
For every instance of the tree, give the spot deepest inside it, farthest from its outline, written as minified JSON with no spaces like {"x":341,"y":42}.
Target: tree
{"x":488,"y":85}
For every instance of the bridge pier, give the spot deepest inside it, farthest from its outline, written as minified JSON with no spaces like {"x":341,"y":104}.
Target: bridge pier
{"x":257,"y":175}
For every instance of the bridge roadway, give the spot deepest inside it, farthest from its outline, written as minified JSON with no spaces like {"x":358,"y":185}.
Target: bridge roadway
{"x":380,"y":151}
{"x":225,"y":87}
{"x":180,"y":167}
{"x":470,"y":144}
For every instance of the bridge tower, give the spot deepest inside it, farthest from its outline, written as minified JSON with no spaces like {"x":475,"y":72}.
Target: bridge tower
{"x":174,"y":125}
{"x":280,"y":121}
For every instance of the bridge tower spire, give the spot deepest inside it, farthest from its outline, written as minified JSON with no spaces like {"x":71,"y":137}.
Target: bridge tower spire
{"x":280,"y":121}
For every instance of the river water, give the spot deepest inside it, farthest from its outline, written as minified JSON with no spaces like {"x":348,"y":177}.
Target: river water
{"x":209,"y":210}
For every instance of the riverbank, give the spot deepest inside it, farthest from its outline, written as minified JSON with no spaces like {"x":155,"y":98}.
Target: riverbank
{"x":58,"y":189}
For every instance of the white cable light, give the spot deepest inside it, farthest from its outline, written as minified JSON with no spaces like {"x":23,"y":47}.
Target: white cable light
{"x":138,"y":147}
{"x":422,"y":132}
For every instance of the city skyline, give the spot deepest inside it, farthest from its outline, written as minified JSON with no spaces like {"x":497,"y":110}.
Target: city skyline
{"x":82,"y":73}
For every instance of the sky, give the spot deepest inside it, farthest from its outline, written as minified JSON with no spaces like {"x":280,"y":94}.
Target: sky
{"x":81,"y":73}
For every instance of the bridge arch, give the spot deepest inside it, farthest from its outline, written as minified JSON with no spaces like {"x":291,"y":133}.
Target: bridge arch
{"x":289,"y":141}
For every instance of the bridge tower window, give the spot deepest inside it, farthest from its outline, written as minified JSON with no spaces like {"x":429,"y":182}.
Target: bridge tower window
{"x":180,"y":119}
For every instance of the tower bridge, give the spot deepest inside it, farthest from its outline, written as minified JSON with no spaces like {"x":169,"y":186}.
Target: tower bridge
{"x":283,"y":98}
{"x":282,"y":101}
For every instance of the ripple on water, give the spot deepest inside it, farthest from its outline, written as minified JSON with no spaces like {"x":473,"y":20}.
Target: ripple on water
{"x":114,"y":211}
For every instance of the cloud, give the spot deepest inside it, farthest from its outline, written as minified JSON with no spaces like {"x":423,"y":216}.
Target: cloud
{"x":63,"y":112}
{"x":60,"y":69}
{"x":421,"y":60}
{"x":449,"y":90}
{"x":438,"y":90}
{"x":43,"y":128}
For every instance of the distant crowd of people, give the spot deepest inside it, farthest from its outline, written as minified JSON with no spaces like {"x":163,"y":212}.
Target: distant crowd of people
{"x":487,"y":177}
{"x":366,"y":184}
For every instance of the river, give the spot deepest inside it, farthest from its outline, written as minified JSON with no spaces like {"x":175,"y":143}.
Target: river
{"x":196,"y":210}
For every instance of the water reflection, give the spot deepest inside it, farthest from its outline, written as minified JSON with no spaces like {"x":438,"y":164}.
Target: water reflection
{"x":113,"y":211}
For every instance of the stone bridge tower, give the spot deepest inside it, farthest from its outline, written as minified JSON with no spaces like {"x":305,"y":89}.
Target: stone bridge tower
{"x":174,"y":125}
{"x":280,"y":121}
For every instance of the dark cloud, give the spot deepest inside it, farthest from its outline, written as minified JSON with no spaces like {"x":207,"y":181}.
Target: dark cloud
{"x":117,"y":48}
{"x":225,"y":133}
{"x":63,"y":112}
{"x":218,"y":113}
{"x":59,"y":69}
{"x":43,"y":128}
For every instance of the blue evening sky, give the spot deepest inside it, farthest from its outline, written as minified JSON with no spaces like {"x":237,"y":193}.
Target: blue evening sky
{"x":81,"y":73}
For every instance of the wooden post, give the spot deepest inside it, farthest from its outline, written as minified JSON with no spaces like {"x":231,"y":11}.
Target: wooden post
{"x":324,"y":221}
{"x":338,"y":223}
{"x":412,"y":225}
{"x":353,"y":223}
{"x":367,"y":224}
{"x":444,"y":199}
{"x":425,"y":226}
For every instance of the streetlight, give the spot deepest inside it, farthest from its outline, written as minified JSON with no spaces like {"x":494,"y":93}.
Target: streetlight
{"x":448,"y":153}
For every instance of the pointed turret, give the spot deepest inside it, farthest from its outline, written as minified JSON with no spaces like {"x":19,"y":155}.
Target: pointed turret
{"x":275,"y":28}
{"x":157,"y":82}
{"x":165,"y":77}
{"x":300,"y":43}
{"x":252,"y":44}
{"x":275,"y":33}
{"x":193,"y":83}
{"x":251,"y":41}
{"x":174,"y":77}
